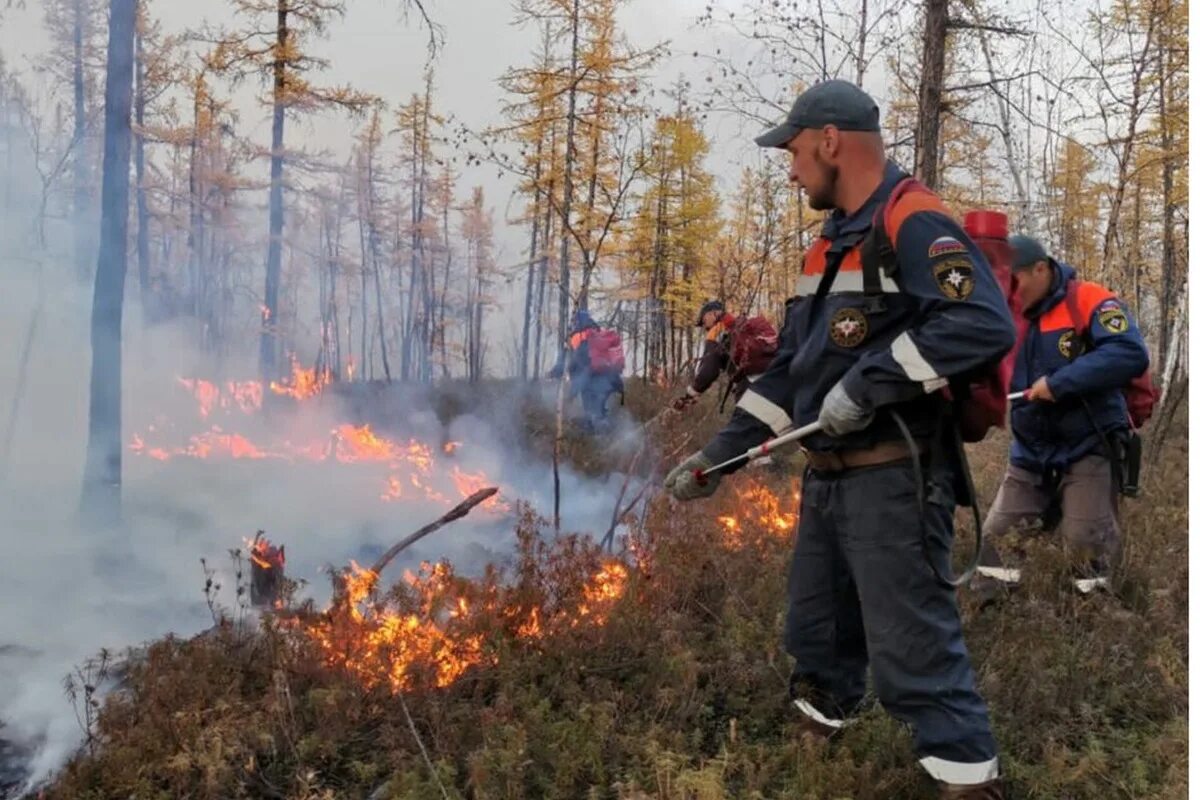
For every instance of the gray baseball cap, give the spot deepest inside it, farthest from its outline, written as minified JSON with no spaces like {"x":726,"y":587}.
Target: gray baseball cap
{"x":838,"y":103}
{"x":1026,"y":251}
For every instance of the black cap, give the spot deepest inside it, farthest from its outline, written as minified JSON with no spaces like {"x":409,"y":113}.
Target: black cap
{"x":711,"y":305}
{"x":838,"y":103}
{"x":1026,"y":251}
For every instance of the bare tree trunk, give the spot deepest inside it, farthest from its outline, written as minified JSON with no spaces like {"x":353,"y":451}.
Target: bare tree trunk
{"x":564,"y":266}
{"x":101,"y":496}
{"x":1167,"y":145}
{"x":267,"y":357}
{"x":143,"y":214}
{"x":79,"y":206}
{"x":1004,"y":108}
{"x":544,"y":265}
{"x":530,"y":273}
{"x":929,"y":94}
{"x":860,"y":56}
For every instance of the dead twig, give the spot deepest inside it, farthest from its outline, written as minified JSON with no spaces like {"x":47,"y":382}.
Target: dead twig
{"x":424,"y":753}
{"x":458,"y":512}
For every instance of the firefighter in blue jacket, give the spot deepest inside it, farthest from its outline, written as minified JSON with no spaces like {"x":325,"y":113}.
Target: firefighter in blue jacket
{"x":593,"y":387}
{"x":1066,"y":431}
{"x":859,"y":351}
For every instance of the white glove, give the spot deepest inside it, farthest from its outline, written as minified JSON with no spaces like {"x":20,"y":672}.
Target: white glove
{"x":840,"y":415}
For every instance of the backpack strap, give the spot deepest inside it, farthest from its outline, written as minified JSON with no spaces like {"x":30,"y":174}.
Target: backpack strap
{"x":877,"y":251}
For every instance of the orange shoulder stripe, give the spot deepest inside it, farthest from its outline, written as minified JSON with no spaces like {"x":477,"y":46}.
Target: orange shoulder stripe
{"x":814,"y":258}
{"x":1091,"y":295}
{"x":913,"y":203}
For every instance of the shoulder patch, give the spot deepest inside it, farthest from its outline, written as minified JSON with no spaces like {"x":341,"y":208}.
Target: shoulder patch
{"x":1110,"y":304}
{"x":848,"y":328}
{"x":955,"y":277}
{"x":1066,"y":344}
{"x":1113,"y":320}
{"x":946,"y":245}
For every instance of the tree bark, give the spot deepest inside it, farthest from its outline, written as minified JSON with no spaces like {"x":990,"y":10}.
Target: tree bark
{"x":80,"y":200}
{"x":929,"y":94}
{"x":564,"y":266}
{"x":101,"y":497}
{"x":143,"y":213}
{"x":267,"y":357}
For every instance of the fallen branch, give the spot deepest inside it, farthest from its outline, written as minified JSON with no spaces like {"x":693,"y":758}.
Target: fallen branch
{"x":458,"y":512}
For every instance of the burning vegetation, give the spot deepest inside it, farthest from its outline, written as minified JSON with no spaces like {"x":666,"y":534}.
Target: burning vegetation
{"x":405,"y":470}
{"x":655,"y":672}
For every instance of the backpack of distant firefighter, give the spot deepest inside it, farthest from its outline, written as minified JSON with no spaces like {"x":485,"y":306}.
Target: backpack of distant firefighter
{"x":1140,"y":394}
{"x":753,"y":344}
{"x":605,"y":352}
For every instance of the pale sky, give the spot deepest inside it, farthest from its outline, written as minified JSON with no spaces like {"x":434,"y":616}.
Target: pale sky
{"x":374,"y":49}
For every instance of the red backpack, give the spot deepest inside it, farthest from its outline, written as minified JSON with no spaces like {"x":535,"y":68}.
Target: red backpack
{"x":980,"y":400}
{"x":605,"y":353}
{"x":1140,"y":393}
{"x":753,"y":344}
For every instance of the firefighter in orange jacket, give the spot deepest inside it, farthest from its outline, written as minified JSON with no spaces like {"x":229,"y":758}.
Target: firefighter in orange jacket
{"x":1068,"y":427}
{"x":594,"y":387}
{"x":743,"y":348}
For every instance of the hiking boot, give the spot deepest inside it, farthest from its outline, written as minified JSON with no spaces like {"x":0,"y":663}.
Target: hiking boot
{"x":991,"y":585}
{"x":1091,"y":578}
{"x":992,"y":790}
{"x":1086,"y":586}
{"x":814,"y":723}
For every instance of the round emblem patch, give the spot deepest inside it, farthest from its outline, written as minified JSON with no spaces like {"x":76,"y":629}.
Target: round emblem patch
{"x":1066,"y":343}
{"x":1114,"y":320}
{"x":848,"y":328}
{"x":955,"y":277}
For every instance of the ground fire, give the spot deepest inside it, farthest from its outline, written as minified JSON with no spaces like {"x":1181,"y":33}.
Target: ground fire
{"x":405,"y":470}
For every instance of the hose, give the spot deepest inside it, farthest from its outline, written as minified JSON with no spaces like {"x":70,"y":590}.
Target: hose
{"x":919,"y":479}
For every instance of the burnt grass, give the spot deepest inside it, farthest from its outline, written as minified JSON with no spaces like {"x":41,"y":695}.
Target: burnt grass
{"x":682,"y":693}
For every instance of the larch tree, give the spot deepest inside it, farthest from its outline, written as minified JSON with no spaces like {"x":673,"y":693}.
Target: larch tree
{"x":270,"y":48}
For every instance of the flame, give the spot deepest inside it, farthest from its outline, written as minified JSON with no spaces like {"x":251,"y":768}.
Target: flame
{"x":245,"y":396}
{"x":304,"y":383}
{"x":761,"y":510}
{"x":263,"y":553}
{"x":381,"y":646}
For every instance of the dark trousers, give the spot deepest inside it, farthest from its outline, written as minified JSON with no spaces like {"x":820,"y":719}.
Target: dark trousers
{"x":862,"y":593}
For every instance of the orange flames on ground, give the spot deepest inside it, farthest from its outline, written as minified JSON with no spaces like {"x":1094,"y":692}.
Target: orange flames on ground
{"x":442,"y":637}
{"x":412,"y":468}
{"x":304,"y":383}
{"x":763,"y":512}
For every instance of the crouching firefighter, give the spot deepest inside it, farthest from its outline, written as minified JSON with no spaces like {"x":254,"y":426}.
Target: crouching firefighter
{"x":895,"y":302}
{"x":740,"y":347}
{"x":1081,"y":367}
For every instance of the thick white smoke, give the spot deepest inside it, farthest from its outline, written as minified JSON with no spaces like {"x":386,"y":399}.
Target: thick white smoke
{"x":68,"y":588}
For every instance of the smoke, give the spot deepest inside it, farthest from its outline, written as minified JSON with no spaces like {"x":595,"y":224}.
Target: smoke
{"x":70,"y":588}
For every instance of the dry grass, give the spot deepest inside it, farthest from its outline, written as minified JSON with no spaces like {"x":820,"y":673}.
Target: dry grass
{"x":681,"y":694}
